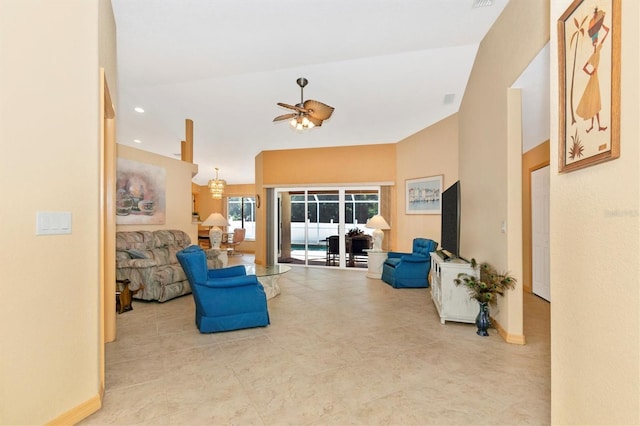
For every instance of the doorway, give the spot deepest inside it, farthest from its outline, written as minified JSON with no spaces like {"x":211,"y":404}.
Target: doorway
{"x":540,"y":276}
{"x":325,"y":226}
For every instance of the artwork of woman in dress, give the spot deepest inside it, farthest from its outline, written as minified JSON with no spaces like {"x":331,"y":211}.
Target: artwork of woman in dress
{"x":589,"y":93}
{"x":590,"y":104}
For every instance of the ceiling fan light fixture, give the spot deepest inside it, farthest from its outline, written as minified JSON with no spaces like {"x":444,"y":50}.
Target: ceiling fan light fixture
{"x":308,"y":114}
{"x":301,"y":122}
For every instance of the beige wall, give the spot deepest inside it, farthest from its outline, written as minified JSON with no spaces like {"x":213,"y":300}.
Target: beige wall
{"x":178,"y":191}
{"x":489,"y":196}
{"x":430,"y":152}
{"x":595,"y":262}
{"x":49,"y":128}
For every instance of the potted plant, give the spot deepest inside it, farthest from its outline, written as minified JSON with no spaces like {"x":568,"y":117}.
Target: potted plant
{"x":355,"y":232}
{"x":485,"y":290}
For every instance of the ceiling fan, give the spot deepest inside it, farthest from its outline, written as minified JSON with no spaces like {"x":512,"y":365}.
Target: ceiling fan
{"x":307,"y":113}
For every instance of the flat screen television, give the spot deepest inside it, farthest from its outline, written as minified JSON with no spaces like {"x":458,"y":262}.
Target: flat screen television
{"x":450,"y":227}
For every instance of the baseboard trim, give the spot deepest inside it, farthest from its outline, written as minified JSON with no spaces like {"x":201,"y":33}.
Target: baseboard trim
{"x":516,"y":339}
{"x":81,"y":412}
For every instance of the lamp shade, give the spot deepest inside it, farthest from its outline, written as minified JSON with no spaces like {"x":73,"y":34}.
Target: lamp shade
{"x":377,"y":222}
{"x":215,"y":219}
{"x":215,"y":233}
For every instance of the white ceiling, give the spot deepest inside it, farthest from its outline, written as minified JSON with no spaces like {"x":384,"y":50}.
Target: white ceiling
{"x":385,"y":65}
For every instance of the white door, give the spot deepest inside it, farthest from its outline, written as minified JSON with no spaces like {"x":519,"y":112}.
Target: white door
{"x":540,"y":232}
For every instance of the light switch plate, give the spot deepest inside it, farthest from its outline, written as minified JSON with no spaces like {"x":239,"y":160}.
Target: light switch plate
{"x":53,"y":223}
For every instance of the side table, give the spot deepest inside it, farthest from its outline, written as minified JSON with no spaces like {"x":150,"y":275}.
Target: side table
{"x":218,"y":257}
{"x":375,"y":262}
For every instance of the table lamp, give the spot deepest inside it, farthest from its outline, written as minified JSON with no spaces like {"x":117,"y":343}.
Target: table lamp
{"x":215,"y":220}
{"x":377,"y":223}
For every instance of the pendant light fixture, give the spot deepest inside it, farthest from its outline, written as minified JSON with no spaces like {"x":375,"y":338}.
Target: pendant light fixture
{"x":216,"y":186}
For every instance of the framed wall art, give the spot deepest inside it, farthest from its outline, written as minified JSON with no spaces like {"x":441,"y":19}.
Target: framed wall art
{"x":589,"y":84}
{"x":423,"y":195}
{"x":140,"y":193}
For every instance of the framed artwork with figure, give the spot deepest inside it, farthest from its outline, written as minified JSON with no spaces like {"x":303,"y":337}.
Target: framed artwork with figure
{"x":589,"y":83}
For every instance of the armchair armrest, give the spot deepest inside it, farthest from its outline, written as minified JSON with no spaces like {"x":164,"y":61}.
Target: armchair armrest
{"x":232,"y":271}
{"x":230,"y":282}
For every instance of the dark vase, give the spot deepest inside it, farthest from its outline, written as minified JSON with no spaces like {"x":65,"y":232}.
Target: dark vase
{"x":482,"y":320}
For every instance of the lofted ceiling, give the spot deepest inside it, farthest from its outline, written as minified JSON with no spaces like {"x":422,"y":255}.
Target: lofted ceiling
{"x":389,"y":67}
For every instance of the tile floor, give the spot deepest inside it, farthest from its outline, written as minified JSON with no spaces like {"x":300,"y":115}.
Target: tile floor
{"x":341,"y":349}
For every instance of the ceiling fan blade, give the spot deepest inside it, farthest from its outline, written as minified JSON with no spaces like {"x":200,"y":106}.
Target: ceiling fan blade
{"x":286,"y":116}
{"x":294,"y":107}
{"x":316,"y":122}
{"x":318,"y":110}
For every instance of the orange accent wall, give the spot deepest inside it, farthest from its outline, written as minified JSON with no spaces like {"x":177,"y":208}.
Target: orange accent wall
{"x":332,"y":165}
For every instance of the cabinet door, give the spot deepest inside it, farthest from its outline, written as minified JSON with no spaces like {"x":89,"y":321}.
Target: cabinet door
{"x":456,"y":304}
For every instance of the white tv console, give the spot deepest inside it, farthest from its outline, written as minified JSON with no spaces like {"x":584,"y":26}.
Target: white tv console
{"x":452,"y":301}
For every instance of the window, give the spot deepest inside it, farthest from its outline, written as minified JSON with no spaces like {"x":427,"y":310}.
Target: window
{"x":241,"y":213}
{"x":360,"y":206}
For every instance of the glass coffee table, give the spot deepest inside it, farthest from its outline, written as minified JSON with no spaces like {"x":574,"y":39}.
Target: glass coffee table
{"x":268,"y":277}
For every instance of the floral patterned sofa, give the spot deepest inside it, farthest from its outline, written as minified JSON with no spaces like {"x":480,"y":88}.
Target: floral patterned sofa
{"x":148,"y":259}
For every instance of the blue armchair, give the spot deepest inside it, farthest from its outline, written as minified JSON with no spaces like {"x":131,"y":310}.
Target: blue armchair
{"x":226,"y":299}
{"x":402,"y":270}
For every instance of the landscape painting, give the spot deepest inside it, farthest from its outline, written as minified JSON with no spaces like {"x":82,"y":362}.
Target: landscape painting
{"x":423,"y":195}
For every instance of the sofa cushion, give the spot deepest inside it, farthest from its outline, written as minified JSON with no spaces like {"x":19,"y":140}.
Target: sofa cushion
{"x":161,"y":256}
{"x":171,"y":238}
{"x":141,"y":240}
{"x":138,"y":254}
{"x":167,"y":274}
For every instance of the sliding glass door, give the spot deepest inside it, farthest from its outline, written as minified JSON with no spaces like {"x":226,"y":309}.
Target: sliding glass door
{"x":324,"y":226}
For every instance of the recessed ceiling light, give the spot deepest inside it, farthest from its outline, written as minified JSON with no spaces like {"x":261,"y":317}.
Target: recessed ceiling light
{"x":137,"y":141}
{"x":139,"y":109}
